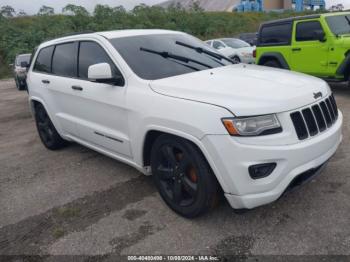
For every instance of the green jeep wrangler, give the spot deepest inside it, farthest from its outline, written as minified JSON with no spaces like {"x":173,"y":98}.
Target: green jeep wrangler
{"x":318,"y":45}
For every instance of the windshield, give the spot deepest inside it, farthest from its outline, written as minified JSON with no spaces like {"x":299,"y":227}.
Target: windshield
{"x":155,"y":57}
{"x":339,"y":24}
{"x":235,"y":43}
{"x":22,"y":58}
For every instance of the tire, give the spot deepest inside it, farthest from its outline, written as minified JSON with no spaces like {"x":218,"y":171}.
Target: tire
{"x":47,"y":131}
{"x":183,"y":177}
{"x":272,"y":63}
{"x":22,"y":87}
{"x":17,"y":84}
{"x":236,"y":60}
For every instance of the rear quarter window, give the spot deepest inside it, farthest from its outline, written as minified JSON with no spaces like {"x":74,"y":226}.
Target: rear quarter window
{"x":278,"y":34}
{"x":43,"y":61}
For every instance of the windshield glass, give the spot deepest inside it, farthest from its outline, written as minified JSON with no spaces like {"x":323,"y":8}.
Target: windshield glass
{"x":22,"y":58}
{"x":152,"y":66}
{"x":235,"y":43}
{"x":339,"y":24}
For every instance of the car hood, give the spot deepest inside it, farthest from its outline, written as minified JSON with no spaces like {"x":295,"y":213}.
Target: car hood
{"x":245,"y":90}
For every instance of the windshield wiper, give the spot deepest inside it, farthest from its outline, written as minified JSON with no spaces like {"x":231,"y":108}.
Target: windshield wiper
{"x":347,"y":19}
{"x":173,"y":56}
{"x":187,"y":65}
{"x":204,"y":51}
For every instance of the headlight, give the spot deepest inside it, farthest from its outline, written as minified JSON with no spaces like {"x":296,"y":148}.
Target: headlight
{"x":253,"y":126}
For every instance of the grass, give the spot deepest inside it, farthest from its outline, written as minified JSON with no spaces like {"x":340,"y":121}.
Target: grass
{"x":58,"y":232}
{"x":5,"y":73}
{"x":61,"y":216}
{"x":68,"y":212}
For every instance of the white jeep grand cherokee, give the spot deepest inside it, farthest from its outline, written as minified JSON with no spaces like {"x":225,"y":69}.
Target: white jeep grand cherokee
{"x":165,"y":103}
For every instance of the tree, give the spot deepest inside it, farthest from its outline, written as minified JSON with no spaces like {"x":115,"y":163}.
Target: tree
{"x":336,"y":8}
{"x":340,"y":7}
{"x":7,"y":11}
{"x":75,"y":10}
{"x":78,"y":16}
{"x":196,"y":7}
{"x":46,"y":10}
{"x":21,"y":13}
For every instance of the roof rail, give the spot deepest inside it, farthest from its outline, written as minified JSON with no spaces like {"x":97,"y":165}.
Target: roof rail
{"x":78,"y":33}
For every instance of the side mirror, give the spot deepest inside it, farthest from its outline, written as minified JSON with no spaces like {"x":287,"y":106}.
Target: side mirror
{"x":102,"y":73}
{"x":320,"y":36}
{"x":24,"y":64}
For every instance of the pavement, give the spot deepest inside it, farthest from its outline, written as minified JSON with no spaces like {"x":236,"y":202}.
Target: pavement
{"x":81,"y":203}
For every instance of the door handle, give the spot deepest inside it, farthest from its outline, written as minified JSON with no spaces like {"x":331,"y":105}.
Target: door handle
{"x":78,"y":88}
{"x":296,"y":49}
{"x":45,"y":81}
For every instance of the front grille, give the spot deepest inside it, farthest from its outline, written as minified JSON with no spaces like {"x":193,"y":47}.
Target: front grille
{"x":316,"y":119}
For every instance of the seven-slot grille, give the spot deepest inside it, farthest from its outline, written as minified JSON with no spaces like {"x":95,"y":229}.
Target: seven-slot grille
{"x":315,"y":119}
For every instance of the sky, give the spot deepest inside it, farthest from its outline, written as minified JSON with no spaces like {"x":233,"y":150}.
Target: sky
{"x":32,"y":6}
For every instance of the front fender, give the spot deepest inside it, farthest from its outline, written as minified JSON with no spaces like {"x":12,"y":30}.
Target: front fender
{"x":196,"y":141}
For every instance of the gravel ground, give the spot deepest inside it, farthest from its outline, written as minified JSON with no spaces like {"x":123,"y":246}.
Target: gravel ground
{"x":78,"y":202}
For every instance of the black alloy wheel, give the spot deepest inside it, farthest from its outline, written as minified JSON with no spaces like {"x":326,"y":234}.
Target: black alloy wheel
{"x":183,"y":176}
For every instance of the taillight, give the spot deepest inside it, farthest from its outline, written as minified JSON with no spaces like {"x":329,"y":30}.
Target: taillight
{"x":254,"y":53}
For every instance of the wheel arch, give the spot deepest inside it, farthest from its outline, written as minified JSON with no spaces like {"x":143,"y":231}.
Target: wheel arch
{"x":151,"y":136}
{"x":153,"y":133}
{"x":33,"y":101}
{"x":344,"y":68}
{"x":274,"y":56}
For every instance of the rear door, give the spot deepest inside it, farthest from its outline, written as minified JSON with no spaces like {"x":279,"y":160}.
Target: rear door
{"x":309,"y":55}
{"x":64,"y":76}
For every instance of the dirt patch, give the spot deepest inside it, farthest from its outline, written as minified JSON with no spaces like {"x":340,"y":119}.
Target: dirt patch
{"x":234,"y":246}
{"x":132,"y":214}
{"x":145,"y":230}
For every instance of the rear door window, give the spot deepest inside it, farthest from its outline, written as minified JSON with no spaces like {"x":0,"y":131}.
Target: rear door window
{"x":278,"y":34}
{"x":43,"y":61}
{"x":306,"y":31}
{"x":64,"y":61}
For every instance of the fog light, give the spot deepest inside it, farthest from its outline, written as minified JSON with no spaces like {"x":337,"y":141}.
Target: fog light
{"x":261,"y":170}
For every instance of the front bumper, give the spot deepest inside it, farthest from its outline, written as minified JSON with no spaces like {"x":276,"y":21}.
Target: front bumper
{"x":248,"y":60}
{"x":230,"y":161}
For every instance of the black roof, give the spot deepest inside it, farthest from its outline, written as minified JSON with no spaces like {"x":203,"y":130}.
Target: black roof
{"x":291,"y":19}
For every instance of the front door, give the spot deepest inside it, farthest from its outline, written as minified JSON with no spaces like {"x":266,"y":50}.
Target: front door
{"x":102,"y":116}
{"x":308,"y":54}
